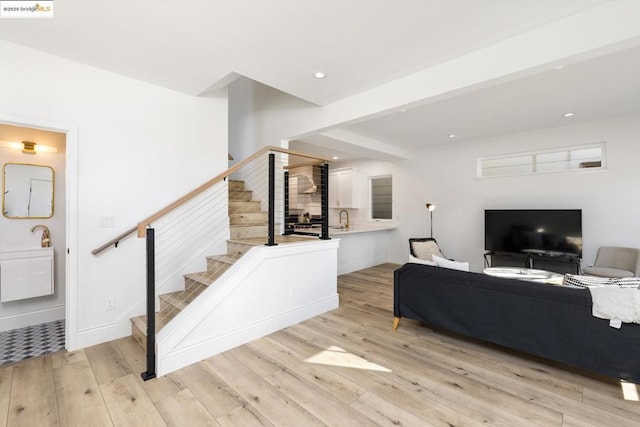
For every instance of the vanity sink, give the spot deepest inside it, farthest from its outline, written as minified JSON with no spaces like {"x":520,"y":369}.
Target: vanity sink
{"x":26,"y":274}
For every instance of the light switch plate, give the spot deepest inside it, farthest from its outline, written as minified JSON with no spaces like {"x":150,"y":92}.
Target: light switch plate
{"x":107,"y":221}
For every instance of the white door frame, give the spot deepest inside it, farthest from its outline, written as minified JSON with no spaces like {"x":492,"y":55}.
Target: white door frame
{"x":71,"y":220}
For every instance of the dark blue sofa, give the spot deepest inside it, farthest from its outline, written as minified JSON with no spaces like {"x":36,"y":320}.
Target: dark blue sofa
{"x":554,"y":322}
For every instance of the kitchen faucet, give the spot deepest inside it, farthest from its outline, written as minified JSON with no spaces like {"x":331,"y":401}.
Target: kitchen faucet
{"x":347,"y":214}
{"x":46,"y":240}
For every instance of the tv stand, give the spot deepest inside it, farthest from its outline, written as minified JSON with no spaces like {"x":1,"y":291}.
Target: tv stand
{"x":559,"y":263}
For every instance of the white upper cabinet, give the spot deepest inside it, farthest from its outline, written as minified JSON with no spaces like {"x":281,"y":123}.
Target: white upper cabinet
{"x":343,"y":189}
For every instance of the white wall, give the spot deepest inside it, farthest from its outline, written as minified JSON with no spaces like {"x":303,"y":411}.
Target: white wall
{"x":139,"y":147}
{"x":260,"y":115}
{"x":446,"y":176}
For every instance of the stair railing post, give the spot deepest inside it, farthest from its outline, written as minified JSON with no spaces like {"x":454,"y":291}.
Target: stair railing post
{"x":272,"y":201}
{"x":151,"y":306}
{"x":286,"y":202}
{"x":324,"y":200}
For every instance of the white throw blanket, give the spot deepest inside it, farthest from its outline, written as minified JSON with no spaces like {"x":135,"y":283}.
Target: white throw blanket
{"x":617,"y":304}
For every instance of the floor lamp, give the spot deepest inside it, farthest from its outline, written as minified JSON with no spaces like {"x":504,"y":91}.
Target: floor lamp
{"x":431,"y":208}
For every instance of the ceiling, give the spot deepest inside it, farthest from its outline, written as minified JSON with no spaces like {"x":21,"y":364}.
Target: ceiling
{"x":196,"y":46}
{"x":593,"y":89}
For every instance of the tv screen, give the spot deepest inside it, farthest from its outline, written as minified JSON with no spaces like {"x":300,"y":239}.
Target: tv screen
{"x":542,"y":231}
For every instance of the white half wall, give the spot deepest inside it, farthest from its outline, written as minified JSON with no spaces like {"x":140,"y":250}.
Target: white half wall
{"x":363,"y":250}
{"x":268,"y":289}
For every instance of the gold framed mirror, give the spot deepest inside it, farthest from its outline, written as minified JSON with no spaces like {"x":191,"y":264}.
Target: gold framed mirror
{"x":27,"y":191}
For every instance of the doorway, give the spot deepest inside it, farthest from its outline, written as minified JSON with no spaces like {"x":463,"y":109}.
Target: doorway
{"x":46,"y":315}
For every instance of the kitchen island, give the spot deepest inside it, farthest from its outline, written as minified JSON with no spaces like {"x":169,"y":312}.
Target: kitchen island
{"x":362,"y":245}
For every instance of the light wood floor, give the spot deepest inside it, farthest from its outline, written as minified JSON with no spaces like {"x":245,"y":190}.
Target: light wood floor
{"x":344,"y":368}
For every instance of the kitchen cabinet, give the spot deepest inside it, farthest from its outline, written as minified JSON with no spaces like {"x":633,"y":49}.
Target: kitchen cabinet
{"x":344,"y":189}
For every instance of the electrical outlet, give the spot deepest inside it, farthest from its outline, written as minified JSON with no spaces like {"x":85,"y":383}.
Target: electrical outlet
{"x":109,"y":304}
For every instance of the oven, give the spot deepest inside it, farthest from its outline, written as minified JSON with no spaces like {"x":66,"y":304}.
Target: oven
{"x":311,"y":226}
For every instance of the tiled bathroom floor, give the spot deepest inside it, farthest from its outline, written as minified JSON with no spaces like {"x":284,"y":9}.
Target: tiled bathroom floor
{"x":23,"y":343}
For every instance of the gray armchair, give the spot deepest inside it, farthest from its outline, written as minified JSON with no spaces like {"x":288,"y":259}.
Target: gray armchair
{"x":614,"y":261}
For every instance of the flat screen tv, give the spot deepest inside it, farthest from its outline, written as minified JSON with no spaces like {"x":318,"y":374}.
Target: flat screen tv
{"x":555,"y":232}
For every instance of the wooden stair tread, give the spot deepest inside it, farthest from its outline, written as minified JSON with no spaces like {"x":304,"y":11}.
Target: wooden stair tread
{"x":251,"y":218}
{"x":227,"y":259}
{"x":248,"y":224}
{"x":247,"y":206}
{"x":162,"y":318}
{"x":207,"y":277}
{"x":240,"y":196}
{"x":235,"y":185}
{"x":179,"y":300}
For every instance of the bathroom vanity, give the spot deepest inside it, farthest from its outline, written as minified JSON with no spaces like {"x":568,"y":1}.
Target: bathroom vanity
{"x":26,"y":274}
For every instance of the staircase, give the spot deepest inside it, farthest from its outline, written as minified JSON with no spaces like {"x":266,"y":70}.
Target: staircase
{"x":248,"y":228}
{"x":246,"y":218}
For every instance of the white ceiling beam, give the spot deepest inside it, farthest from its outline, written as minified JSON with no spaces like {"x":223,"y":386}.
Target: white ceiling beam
{"x":603,"y":29}
{"x":367,"y":147}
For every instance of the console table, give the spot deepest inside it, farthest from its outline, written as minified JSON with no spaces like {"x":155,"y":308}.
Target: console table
{"x":535,"y":260}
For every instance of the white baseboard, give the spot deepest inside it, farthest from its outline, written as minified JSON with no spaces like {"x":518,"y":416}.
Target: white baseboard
{"x":233,"y":338}
{"x":102,"y":333}
{"x":31,"y":318}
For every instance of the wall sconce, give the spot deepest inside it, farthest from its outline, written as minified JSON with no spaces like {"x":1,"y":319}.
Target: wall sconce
{"x":29,"y":147}
{"x":431,"y":208}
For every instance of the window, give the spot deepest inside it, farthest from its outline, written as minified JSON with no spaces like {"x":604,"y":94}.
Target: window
{"x":569,"y":159}
{"x":381,"y":197}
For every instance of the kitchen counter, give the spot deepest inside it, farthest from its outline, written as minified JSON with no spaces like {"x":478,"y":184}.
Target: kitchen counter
{"x":362,"y":245}
{"x":360,"y":228}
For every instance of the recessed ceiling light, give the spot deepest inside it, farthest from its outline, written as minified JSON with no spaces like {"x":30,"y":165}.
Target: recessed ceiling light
{"x":319,"y":75}
{"x":403,"y":110}
{"x":569,"y":114}
{"x":452,"y":135}
{"x":335,"y":157}
{"x":558,"y":67}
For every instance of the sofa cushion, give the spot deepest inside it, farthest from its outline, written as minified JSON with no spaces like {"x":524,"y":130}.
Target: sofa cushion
{"x":424,"y":250}
{"x":455,"y":265}
{"x":420,"y":261}
{"x":608,"y":272}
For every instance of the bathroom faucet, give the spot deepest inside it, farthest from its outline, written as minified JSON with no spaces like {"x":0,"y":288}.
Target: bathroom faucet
{"x":347,"y":214}
{"x":45,"y":242}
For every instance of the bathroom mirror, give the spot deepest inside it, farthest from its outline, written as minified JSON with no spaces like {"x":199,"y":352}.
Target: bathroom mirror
{"x":27,"y":191}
